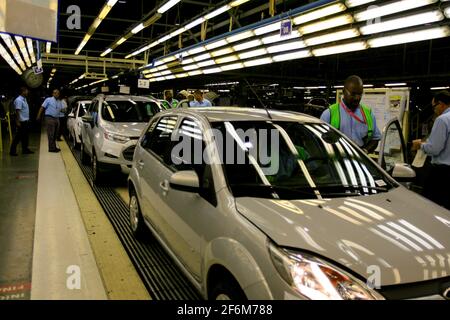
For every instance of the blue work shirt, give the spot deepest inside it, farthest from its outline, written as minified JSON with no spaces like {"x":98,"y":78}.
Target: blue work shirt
{"x":438,"y":144}
{"x":351,"y":127}
{"x":52,"y":107}
{"x":62,"y":114}
{"x":204,"y":103}
{"x":22,"y":109}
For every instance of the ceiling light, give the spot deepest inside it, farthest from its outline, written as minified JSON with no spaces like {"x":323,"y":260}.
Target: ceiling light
{"x":196,"y":50}
{"x":403,"y":22}
{"x":169,"y":4}
{"x":327,"y":24}
{"x":247,"y":45}
{"x":177,"y":32}
{"x":222,"y":52}
{"x":190,"y":67}
{"x":354,"y":46}
{"x":166,"y":72}
{"x":23,"y":50}
{"x":138,"y":28}
{"x":122,"y":40}
{"x":107,"y":51}
{"x":181,"y":75}
{"x":253,"y":53}
{"x":240,"y":36}
{"x":319,"y":13}
{"x":292,"y":56}
{"x":238,"y":2}
{"x":391,"y":8}
{"x":258,"y":62}
{"x":216,"y":44}
{"x":202,"y":57}
{"x":233,"y":66}
{"x":206,"y":63}
{"x":368,"y":86}
{"x":195,"y":73}
{"x":355,"y":3}
{"x":447,"y":12}
{"x":407,"y":37}
{"x":4,"y":53}
{"x":31,"y":50}
{"x":187,"y":61}
{"x":227,"y":59}
{"x":286,"y":46}
{"x":217,"y":12}
{"x":395,"y":84}
{"x":332,"y":37}
{"x":195,"y":23}
{"x":212,"y":70}
{"x":48,"y":47}
{"x":269,"y":28}
{"x":279,"y":38}
{"x":439,"y":88}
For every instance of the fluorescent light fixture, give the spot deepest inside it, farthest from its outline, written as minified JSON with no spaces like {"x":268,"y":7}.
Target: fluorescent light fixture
{"x":195,"y":23}
{"x":407,"y":37}
{"x":439,"y":88}
{"x":122,"y":40}
{"x":48,"y":47}
{"x":23,"y":50}
{"x":237,"y":3}
{"x":403,"y":22}
{"x":216,"y":44}
{"x":356,"y":3}
{"x":168,"y":59}
{"x":331,"y":37}
{"x":391,"y":8}
{"x":31,"y":50}
{"x":181,"y":75}
{"x":252,"y":54}
{"x":158,"y":63}
{"x":107,"y":51}
{"x":222,"y":52}
{"x":327,"y":24}
{"x":202,"y":57}
{"x":247,"y":45}
{"x":177,"y":32}
{"x":206,"y":63}
{"x":217,"y":12}
{"x":169,"y":4}
{"x":187,"y":61}
{"x":400,"y":84}
{"x":338,"y":87}
{"x":166,"y":72}
{"x":195,"y":73}
{"x":354,"y":46}
{"x":227,"y":59}
{"x":240,"y":36}
{"x":12,"y":47}
{"x":233,"y":66}
{"x":138,"y":28}
{"x":319,"y":13}
{"x":292,"y":56}
{"x":190,"y":67}
{"x":164,"y":39}
{"x":368,"y":86}
{"x":269,"y":28}
{"x":196,"y":50}
{"x":161,"y":68}
{"x":258,"y":62}
{"x":279,"y":38}
{"x":4,"y":53}
{"x":286,"y":46}
{"x":447,"y":12}
{"x":212,"y":70}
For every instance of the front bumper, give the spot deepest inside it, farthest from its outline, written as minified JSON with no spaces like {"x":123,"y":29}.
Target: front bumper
{"x":117,"y":154}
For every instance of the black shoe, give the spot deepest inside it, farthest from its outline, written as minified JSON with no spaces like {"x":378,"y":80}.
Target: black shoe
{"x":28,"y":152}
{"x":54,"y":151}
{"x":13,"y":154}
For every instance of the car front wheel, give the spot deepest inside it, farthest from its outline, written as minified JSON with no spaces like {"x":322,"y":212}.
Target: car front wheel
{"x":227,"y":289}
{"x":97,"y":174}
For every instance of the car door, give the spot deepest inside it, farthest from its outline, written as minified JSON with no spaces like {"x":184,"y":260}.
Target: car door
{"x":393,"y":155}
{"x":88,"y":129}
{"x":187,"y":216}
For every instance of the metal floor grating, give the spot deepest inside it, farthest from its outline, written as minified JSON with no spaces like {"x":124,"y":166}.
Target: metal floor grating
{"x":160,"y":275}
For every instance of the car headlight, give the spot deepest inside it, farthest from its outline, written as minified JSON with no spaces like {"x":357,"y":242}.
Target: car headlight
{"x":316,"y":279}
{"x":116,"y":137}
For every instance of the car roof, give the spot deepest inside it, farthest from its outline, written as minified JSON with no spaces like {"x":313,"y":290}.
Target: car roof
{"x":118,"y":97}
{"x":221,"y":114}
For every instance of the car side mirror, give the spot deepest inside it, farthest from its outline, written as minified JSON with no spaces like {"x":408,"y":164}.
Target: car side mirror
{"x":187,"y":181}
{"x":403,"y":172}
{"x":88,"y":119}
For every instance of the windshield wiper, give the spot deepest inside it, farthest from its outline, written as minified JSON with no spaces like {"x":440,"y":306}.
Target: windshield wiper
{"x":350,"y":187}
{"x":275,"y":188}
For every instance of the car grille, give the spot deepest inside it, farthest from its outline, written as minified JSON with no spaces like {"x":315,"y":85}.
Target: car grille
{"x":128,"y":153}
{"x":432,"y":289}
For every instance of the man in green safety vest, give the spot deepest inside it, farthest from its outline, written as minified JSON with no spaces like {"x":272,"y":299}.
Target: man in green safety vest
{"x":169,"y":102}
{"x":353,"y":118}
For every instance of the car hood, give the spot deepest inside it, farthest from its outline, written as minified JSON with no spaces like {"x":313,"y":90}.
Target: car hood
{"x":128,"y":129}
{"x":399,"y":234}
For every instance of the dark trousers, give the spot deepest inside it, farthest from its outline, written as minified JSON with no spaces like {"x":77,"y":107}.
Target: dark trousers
{"x":21,"y":136}
{"x":436,"y":186}
{"x":52,"y":132}
{"x":62,"y":127}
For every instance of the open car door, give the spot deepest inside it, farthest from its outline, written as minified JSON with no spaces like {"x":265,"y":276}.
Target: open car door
{"x":393,"y":157}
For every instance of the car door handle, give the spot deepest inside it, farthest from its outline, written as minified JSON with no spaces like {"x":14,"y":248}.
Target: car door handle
{"x":164,"y":186}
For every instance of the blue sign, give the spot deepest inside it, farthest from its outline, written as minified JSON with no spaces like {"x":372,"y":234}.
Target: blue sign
{"x":286,"y":28}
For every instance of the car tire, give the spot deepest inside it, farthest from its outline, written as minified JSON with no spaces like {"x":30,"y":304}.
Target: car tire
{"x":227,"y":289}
{"x":83,"y":155}
{"x":137,"y":223}
{"x":97,"y":173}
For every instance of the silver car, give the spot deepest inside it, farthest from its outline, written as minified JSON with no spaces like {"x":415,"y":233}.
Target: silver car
{"x":74,"y":121}
{"x":111,"y":127}
{"x":311,"y":217}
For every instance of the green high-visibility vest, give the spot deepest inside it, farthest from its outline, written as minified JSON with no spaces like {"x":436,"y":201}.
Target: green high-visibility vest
{"x":335,"y":119}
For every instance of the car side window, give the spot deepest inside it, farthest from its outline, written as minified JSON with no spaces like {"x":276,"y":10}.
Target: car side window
{"x":189,"y":154}
{"x":158,"y":140}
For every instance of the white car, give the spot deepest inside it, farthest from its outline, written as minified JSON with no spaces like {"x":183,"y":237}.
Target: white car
{"x":74,"y":121}
{"x":111,"y":128}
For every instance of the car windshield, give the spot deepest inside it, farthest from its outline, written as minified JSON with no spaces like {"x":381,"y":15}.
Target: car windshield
{"x":83,"y":108}
{"x":129,"y":111}
{"x":292,"y":160}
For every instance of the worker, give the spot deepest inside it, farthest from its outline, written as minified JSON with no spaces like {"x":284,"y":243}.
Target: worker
{"x":438,"y":147}
{"x":169,"y":102}
{"x":353,"y":118}
{"x":199,"y":100}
